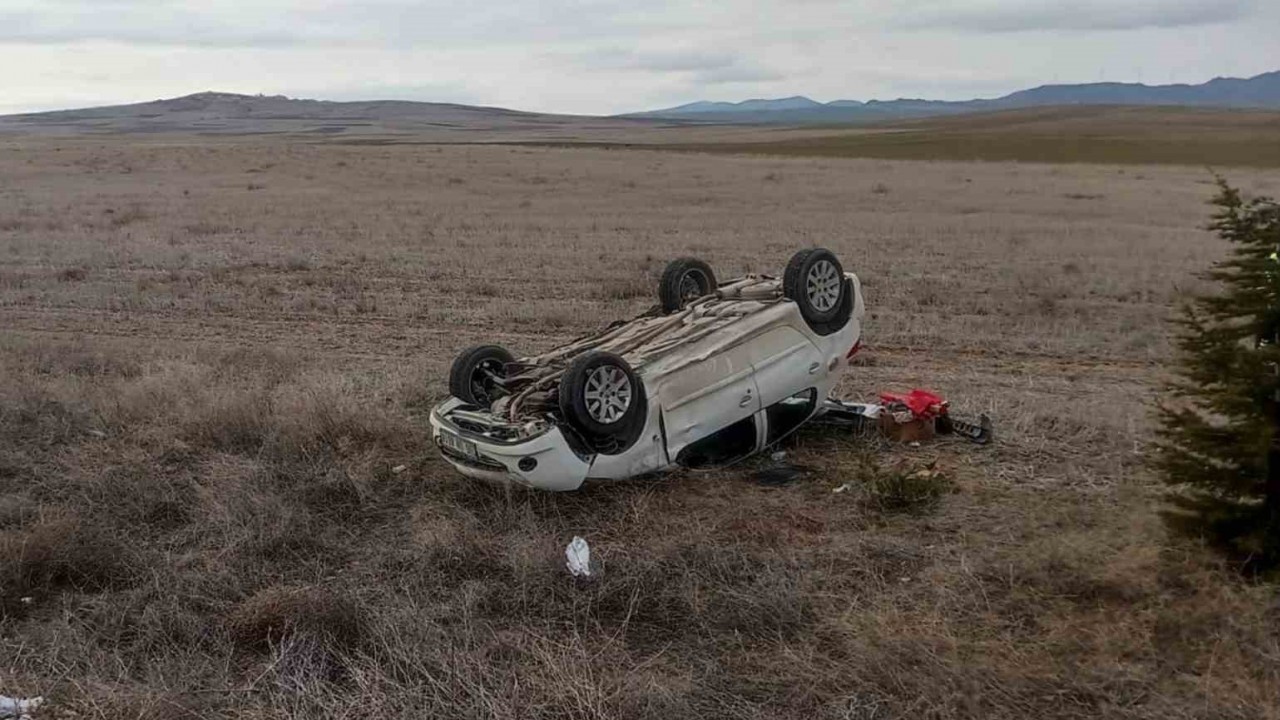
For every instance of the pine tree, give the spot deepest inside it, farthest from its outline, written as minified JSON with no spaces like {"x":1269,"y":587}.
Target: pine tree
{"x":1219,"y":438}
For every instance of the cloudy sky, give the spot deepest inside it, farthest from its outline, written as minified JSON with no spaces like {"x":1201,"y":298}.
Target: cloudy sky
{"x":608,"y":56}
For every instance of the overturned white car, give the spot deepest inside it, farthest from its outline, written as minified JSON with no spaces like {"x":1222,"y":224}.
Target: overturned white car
{"x":713,"y":374}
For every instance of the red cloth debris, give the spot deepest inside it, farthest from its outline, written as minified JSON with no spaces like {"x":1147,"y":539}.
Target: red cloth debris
{"x":923,"y":404}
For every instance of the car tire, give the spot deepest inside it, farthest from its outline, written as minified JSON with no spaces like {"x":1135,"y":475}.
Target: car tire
{"x":604,"y":400}
{"x":470,"y":376}
{"x":815,"y":281}
{"x":684,"y":280}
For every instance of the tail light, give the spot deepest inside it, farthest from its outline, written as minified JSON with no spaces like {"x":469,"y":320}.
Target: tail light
{"x":853,"y":350}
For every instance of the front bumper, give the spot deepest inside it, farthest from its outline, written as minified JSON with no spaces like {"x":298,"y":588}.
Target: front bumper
{"x":545,"y":461}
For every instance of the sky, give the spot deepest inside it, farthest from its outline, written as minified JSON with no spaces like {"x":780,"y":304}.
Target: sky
{"x":611,"y":56}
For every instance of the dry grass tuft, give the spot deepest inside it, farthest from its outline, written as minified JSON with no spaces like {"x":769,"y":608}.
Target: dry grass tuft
{"x":907,"y":489}
{"x":205,"y":228}
{"x":283,"y":614}
{"x":56,"y":554}
{"x":72,"y":274}
{"x":637,"y":287}
{"x":235,"y":423}
{"x":128,"y":216}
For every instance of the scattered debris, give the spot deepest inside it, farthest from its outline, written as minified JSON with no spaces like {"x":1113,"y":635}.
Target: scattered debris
{"x":980,"y":432}
{"x":913,"y":418}
{"x":97,"y":433}
{"x":920,"y":404}
{"x":399,"y":469}
{"x":778,"y":456}
{"x":578,"y":557}
{"x":858,"y":417}
{"x":19,"y":708}
{"x":842,"y":488}
{"x":928,"y":472}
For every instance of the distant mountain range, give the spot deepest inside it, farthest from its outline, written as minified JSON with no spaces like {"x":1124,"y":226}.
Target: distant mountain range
{"x":1261,"y":91}
{"x":217,"y":113}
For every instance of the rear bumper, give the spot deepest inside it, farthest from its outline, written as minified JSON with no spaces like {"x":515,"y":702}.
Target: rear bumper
{"x":548,"y":461}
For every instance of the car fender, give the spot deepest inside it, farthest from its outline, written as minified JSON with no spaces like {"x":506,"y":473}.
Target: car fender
{"x":648,"y":454}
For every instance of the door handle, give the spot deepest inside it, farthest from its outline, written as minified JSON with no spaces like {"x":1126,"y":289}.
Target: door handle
{"x":813,"y":367}
{"x":745,"y":401}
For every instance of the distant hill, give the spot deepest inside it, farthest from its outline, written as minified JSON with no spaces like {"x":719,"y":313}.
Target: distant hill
{"x":1259,"y":92}
{"x":217,"y":113}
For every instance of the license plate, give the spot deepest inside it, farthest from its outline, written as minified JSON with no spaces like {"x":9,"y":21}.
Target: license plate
{"x":466,"y":448}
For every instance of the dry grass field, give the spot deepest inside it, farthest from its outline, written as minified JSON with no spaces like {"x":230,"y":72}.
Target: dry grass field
{"x":217,"y":497}
{"x":1070,"y":134}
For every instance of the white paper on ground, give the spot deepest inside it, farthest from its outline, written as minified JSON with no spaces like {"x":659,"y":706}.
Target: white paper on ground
{"x":18,"y":707}
{"x":578,"y":557}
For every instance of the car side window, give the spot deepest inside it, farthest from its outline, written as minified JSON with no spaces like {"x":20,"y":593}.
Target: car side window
{"x":790,"y":413}
{"x":721,"y":448}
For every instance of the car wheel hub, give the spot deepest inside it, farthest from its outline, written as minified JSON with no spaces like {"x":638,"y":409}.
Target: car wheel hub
{"x":823,"y":286}
{"x":607,"y":394}
{"x":691,"y":287}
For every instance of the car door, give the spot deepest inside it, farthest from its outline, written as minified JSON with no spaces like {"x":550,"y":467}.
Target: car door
{"x":707,"y":396}
{"x":785,"y":362}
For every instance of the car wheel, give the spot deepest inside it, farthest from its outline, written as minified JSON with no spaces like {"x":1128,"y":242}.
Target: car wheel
{"x":604,"y":400}
{"x":815,"y":280}
{"x":684,"y":281}
{"x":474,"y":374}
